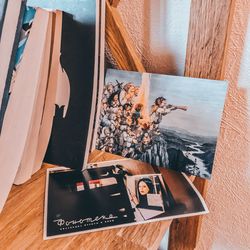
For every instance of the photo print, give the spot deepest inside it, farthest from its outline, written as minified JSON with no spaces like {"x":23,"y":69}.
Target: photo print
{"x":167,"y":121}
{"x":149,"y":196}
{"x":115,"y":194}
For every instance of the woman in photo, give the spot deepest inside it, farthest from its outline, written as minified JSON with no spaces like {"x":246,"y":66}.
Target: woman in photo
{"x":144,"y":188}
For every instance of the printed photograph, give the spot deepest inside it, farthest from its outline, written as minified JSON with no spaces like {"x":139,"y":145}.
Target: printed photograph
{"x":148,"y":196}
{"x":167,"y":121}
{"x":108,"y":196}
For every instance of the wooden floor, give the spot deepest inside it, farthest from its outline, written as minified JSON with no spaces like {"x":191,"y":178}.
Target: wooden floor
{"x":21,"y":222}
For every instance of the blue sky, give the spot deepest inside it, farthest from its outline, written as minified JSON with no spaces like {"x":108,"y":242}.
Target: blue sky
{"x":204,"y":98}
{"x":86,"y":12}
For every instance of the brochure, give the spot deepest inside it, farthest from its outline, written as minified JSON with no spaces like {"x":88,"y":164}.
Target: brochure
{"x":107,"y":195}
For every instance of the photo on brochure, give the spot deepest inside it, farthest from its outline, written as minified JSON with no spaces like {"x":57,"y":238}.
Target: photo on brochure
{"x":107,"y":195}
{"x":148,"y":196}
{"x":167,"y":121}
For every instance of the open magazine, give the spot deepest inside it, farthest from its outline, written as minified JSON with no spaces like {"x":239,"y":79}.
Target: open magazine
{"x":114,"y":194}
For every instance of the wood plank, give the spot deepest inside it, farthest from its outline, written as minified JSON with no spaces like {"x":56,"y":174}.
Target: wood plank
{"x":119,"y":42}
{"x":184,"y":232}
{"x":209,"y":27}
{"x":114,"y":3}
{"x":206,"y":39}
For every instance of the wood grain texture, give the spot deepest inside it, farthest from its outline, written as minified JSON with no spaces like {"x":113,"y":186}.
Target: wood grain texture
{"x":21,"y":224}
{"x":114,"y":3}
{"x":209,"y":27}
{"x":119,"y":42}
{"x":206,"y":39}
{"x":184,"y":232}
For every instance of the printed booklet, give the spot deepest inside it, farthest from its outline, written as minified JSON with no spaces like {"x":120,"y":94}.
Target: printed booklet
{"x":115,"y":194}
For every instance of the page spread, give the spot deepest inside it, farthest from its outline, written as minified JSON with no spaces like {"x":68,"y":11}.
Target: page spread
{"x":107,"y":195}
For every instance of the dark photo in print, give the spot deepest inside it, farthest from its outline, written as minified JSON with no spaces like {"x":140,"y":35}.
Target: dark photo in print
{"x":111,"y":195}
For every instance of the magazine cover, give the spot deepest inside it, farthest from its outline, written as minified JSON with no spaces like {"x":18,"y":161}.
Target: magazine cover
{"x":166,"y":121}
{"x":107,"y":195}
